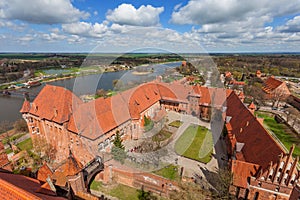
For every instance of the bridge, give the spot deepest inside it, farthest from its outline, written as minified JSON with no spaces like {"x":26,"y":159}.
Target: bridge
{"x":19,"y":94}
{"x":91,"y":170}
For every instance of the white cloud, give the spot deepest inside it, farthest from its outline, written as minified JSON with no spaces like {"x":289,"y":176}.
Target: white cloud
{"x":41,"y":11}
{"x":75,"y":39}
{"x":86,"y":29}
{"x":292,"y":25}
{"x":127,"y":14}
{"x":214,"y":11}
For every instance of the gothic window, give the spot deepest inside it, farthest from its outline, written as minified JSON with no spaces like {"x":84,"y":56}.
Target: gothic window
{"x":256,"y":196}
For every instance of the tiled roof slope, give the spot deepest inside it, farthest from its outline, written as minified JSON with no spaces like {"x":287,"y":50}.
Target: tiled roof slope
{"x":271,"y":84}
{"x":260,"y":148}
{"x":22,"y":187}
{"x":242,"y":170}
{"x":70,"y":168}
{"x":55,"y":103}
{"x":142,"y":98}
{"x":26,"y":107}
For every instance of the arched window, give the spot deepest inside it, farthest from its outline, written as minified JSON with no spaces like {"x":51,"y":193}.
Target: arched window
{"x":256,"y":196}
{"x":246,"y":194}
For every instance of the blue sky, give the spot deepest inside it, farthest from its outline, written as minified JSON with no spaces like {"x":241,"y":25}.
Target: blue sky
{"x":124,"y":26}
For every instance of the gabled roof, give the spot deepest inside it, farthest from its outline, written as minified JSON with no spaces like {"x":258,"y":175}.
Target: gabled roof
{"x":252,"y":105}
{"x":142,"y":98}
{"x":271,"y":84}
{"x":55,"y":103}
{"x":26,"y":107}
{"x":23,"y":186}
{"x":260,"y":148}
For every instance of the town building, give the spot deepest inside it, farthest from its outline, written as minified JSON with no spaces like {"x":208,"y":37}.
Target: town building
{"x":275,"y":88}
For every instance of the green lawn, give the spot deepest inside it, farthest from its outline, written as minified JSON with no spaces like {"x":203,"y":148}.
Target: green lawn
{"x":176,"y":123}
{"x":283,"y":133}
{"x":96,"y":185}
{"x":161,"y":135}
{"x":25,"y":145}
{"x":124,"y":192}
{"x":195,"y":143}
{"x":170,"y":172}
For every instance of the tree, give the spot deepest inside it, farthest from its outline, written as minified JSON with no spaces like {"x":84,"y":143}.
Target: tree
{"x":222,"y":182}
{"x":118,"y":141}
{"x":20,"y":126}
{"x":118,"y":150}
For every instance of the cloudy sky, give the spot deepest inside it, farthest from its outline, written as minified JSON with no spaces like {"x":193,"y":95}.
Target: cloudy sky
{"x":174,"y":25}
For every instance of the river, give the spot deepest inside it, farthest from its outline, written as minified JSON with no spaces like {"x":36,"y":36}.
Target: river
{"x":10,"y":105}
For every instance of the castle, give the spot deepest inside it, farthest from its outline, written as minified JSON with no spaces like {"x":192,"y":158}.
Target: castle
{"x":61,"y":119}
{"x":261,"y":168}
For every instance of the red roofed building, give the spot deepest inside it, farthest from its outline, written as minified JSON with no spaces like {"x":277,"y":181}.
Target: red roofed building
{"x":261,"y":168}
{"x":64,"y":121}
{"x":4,"y":162}
{"x":14,"y":186}
{"x":275,"y":88}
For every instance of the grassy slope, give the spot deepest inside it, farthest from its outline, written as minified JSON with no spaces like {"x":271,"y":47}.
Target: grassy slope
{"x":282,"y":132}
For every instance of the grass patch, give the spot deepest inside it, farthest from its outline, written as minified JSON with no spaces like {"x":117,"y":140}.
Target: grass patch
{"x":195,"y":143}
{"x":124,"y":192}
{"x":170,"y":172}
{"x":8,"y":151}
{"x":282,"y":132}
{"x":13,"y":137}
{"x":176,"y":123}
{"x":25,"y":145}
{"x":96,"y":185}
{"x":161,"y":136}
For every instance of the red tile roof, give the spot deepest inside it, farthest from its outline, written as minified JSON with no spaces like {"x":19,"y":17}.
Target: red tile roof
{"x":252,"y":106}
{"x":44,"y":172}
{"x":70,"y":168}
{"x":97,"y":117}
{"x":142,"y":98}
{"x":3,"y":157}
{"x":271,"y":84}
{"x":23,"y":186}
{"x":260,"y":148}
{"x":55,"y":103}
{"x":26,"y":107}
{"x":241,"y":171}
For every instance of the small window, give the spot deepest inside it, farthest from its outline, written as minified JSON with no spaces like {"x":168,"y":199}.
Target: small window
{"x":259,"y":184}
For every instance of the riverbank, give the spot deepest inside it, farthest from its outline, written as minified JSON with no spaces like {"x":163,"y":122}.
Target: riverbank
{"x":84,"y":72}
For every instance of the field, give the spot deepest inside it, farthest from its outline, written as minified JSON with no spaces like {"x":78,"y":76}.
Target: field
{"x":195,"y":143}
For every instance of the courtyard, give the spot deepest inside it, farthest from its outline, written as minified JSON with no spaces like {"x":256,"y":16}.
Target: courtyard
{"x":187,"y":142}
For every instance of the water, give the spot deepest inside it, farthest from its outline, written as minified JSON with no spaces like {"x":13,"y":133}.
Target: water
{"x":10,"y":106}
